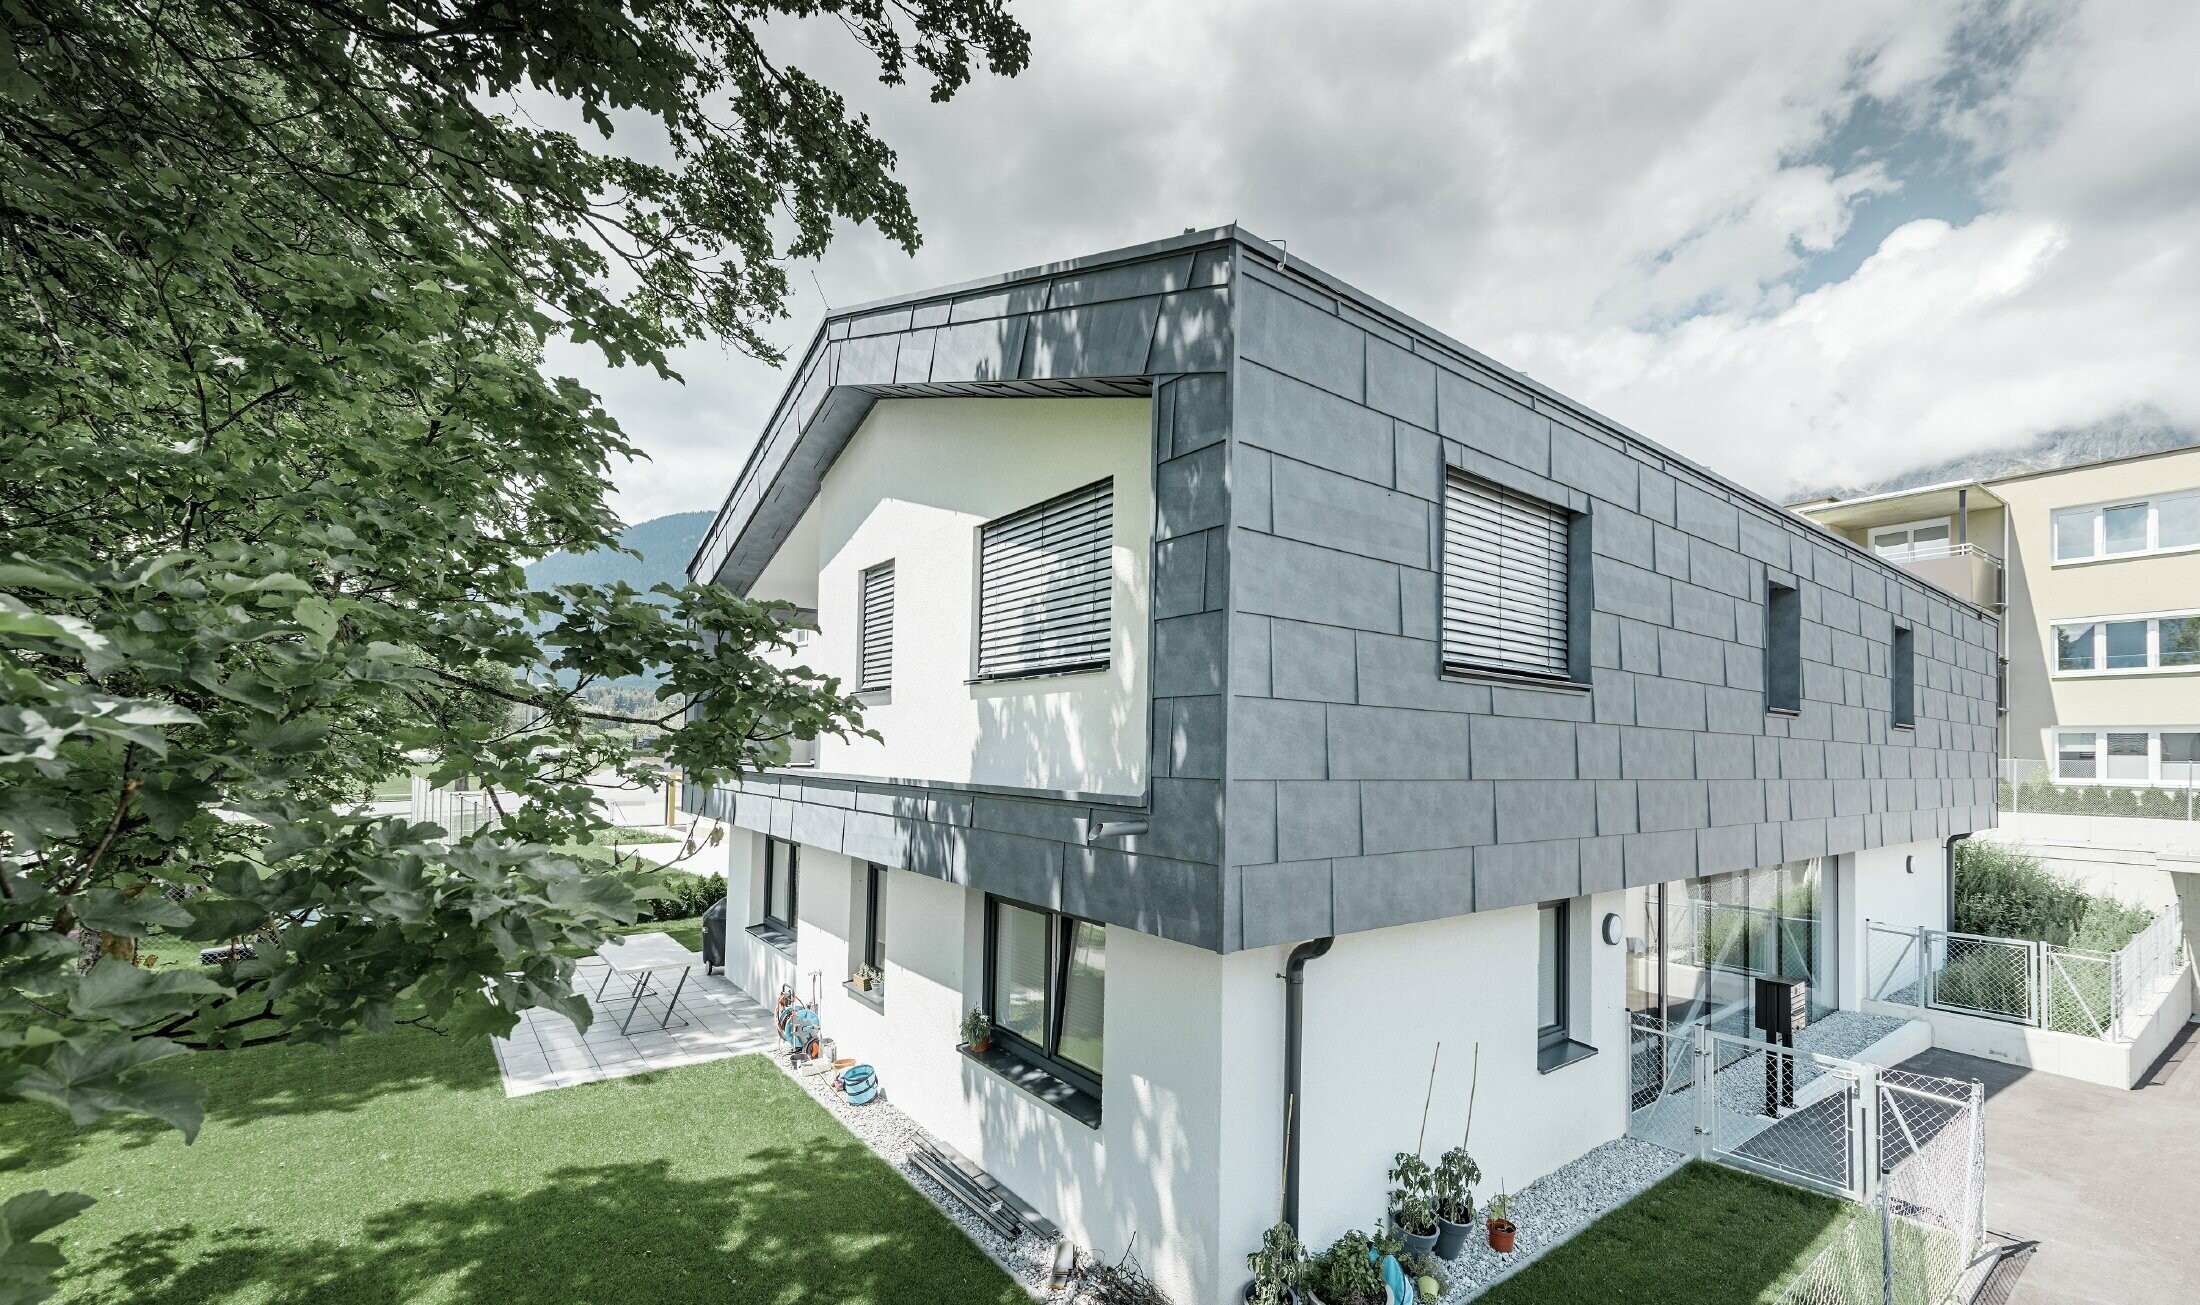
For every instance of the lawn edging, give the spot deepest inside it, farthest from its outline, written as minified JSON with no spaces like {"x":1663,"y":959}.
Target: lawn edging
{"x":1513,"y":1264}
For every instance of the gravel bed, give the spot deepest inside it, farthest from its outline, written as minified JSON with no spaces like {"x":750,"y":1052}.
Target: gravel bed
{"x":893,"y":1135}
{"x":1845,"y":1033}
{"x":1556,"y":1206}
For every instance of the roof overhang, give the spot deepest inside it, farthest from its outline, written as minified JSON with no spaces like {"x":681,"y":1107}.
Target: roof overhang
{"x":1922,"y":503}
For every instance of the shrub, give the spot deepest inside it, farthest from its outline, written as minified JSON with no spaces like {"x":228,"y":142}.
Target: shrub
{"x":686,"y":896}
{"x":2002,"y":892}
{"x":1344,"y":1275}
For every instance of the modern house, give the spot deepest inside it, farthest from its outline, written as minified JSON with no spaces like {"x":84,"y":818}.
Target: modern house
{"x":2095,"y":570}
{"x":1272,"y":688}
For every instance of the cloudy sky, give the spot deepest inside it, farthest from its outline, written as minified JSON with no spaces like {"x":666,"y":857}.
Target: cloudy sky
{"x":1803,"y":243}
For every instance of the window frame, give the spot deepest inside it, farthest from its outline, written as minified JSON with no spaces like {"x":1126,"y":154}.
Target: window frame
{"x":2098,"y":512}
{"x":1908,"y":552}
{"x":864,"y":682}
{"x":1548,"y":1036}
{"x":1457,"y":660}
{"x":2100,"y":754}
{"x":979,"y":674}
{"x":1060,"y":935}
{"x":874,"y":903}
{"x":793,"y":871}
{"x":1902,"y":678}
{"x":2098,"y":648}
{"x":1783,"y":647}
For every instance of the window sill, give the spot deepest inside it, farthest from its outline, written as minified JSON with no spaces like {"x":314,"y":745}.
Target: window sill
{"x":1066,"y":1097}
{"x":1559,"y":1055}
{"x":1513,"y":679}
{"x":875,"y":998}
{"x":1078,"y":668}
{"x":1790,"y":712}
{"x":772,"y":936}
{"x":1906,"y":729}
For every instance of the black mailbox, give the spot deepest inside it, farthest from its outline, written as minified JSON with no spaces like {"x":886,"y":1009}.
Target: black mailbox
{"x":1783,"y":1007}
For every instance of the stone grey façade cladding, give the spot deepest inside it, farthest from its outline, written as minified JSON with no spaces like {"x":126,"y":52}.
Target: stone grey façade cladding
{"x":1365,"y":789}
{"x":1163,"y":319}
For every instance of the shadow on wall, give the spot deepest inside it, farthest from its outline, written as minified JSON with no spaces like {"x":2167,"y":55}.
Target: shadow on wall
{"x":1030,"y":719}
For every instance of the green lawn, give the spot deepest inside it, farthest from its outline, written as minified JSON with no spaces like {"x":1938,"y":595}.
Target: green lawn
{"x":396,"y":1172}
{"x":1706,"y":1236}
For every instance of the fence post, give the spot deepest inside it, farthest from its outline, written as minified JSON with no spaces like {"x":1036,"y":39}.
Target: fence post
{"x":1706,"y":1091}
{"x":1924,"y":945}
{"x":1867,"y":1131}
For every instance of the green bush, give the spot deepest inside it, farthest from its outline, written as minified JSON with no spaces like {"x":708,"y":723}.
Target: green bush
{"x":2001,"y":892}
{"x":686,"y":895}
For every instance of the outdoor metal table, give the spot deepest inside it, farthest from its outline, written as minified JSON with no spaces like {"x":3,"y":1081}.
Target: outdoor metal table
{"x":641,"y":958}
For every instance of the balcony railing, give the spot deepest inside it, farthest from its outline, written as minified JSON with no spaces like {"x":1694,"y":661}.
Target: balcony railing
{"x":1965,"y":570}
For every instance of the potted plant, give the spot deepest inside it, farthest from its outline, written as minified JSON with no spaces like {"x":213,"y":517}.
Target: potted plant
{"x":1456,"y":1175}
{"x":1346,"y":1273}
{"x":1429,"y":1277}
{"x":977,"y":1030}
{"x":1501,"y":1224}
{"x":1277,"y":1268}
{"x":866,"y":978}
{"x":1413,"y":1203}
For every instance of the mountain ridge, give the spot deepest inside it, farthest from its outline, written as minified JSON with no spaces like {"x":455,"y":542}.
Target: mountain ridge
{"x":2144,"y":431}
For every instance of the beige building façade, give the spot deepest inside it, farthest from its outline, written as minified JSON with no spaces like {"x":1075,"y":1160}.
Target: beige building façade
{"x":2095,"y":570}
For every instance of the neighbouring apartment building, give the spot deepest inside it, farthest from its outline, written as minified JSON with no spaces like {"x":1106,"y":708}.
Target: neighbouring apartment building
{"x":1222,"y":624}
{"x":2095,"y":570}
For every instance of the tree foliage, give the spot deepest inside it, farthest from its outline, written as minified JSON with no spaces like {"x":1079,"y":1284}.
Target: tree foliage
{"x":275,"y":280}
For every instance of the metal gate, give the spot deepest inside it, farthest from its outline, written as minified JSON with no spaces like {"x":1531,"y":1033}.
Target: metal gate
{"x":1911,"y":1147}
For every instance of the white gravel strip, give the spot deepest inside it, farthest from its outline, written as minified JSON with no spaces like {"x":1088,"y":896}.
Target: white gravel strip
{"x":893,"y":1135}
{"x":1844,"y":1034}
{"x":1555,"y":1207}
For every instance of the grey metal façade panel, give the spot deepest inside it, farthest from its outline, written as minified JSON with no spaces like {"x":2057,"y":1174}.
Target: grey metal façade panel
{"x":1667,"y":767}
{"x":1298,"y":710}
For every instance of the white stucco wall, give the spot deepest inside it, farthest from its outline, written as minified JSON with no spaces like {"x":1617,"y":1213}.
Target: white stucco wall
{"x":1905,"y":884}
{"x":1149,"y":1169}
{"x":1376,"y":1007}
{"x":913,"y":486}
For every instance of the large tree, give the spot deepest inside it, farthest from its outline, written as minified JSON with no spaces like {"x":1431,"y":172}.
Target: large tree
{"x":275,"y":445}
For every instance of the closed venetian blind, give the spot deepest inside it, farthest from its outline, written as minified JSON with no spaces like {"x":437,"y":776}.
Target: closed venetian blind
{"x":1505,"y":579}
{"x":1043,"y":585}
{"x":875,"y":628}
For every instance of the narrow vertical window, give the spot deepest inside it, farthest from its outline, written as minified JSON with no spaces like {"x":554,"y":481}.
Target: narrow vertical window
{"x":1783,"y":648}
{"x":782,"y":889}
{"x":1553,"y":966}
{"x":1904,"y":674}
{"x":873,"y":936}
{"x":875,"y":627}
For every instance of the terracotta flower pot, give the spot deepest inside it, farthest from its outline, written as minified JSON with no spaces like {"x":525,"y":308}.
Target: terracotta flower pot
{"x":980,"y":1045}
{"x":1501,"y":1235}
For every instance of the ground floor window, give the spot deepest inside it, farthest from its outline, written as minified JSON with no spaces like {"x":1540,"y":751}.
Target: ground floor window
{"x":1046,"y":989}
{"x":2169,"y":758}
{"x":874,"y":926}
{"x":1550,"y":987}
{"x":782,"y":884}
{"x":1694,"y":945}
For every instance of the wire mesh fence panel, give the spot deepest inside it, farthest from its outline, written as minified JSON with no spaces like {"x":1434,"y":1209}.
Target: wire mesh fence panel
{"x":1661,"y":1095}
{"x":2155,"y":954}
{"x":2079,"y":991}
{"x":1917,"y":1238}
{"x":461,"y":814}
{"x":1788,"y":1114}
{"x":1975,"y":975}
{"x":1893,"y":961}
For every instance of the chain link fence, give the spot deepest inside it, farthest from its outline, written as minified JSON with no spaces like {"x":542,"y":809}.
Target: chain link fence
{"x":462,"y":813}
{"x":2062,"y":989}
{"x":1918,"y":1242}
{"x":1909,"y":1148}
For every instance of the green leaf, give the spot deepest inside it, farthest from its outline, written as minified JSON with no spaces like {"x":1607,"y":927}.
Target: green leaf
{"x":218,"y":919}
{"x":119,"y":991}
{"x":110,"y":911}
{"x":97,"y":1074}
{"x":27,"y":1266}
{"x":319,"y":620}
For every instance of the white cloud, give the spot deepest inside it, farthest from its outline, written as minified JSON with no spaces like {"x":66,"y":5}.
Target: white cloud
{"x":1619,"y":200}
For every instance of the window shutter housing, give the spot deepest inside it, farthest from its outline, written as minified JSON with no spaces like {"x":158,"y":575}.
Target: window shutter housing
{"x":875,"y":628}
{"x":1044,"y":586}
{"x":1505,"y":580}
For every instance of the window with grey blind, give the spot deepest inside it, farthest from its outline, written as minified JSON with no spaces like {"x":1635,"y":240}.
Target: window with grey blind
{"x":875,"y":627}
{"x":1044,"y":586}
{"x":1505,"y":580}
